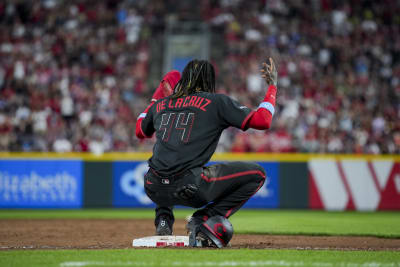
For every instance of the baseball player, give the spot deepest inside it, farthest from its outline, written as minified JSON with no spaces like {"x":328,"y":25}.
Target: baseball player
{"x":188,"y":124}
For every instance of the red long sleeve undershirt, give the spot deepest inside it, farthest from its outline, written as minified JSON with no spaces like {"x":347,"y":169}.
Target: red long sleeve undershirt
{"x":260,"y":119}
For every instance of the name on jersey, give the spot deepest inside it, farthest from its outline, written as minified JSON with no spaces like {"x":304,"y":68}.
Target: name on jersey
{"x":182,"y":102}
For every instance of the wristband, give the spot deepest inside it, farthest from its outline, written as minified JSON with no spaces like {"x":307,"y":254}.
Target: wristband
{"x":268,"y":106}
{"x":142,"y":115}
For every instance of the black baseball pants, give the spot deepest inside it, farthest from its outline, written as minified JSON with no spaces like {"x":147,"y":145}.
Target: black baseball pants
{"x":222,"y":189}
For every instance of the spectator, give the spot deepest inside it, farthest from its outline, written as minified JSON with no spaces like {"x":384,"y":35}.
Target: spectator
{"x":74,"y":75}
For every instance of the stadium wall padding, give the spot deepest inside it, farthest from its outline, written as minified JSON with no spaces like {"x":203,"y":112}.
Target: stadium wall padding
{"x":294,"y":186}
{"x":294,"y":181}
{"x":98,"y":184}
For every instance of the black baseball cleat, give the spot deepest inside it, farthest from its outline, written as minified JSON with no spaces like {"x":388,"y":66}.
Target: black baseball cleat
{"x":164,"y":227}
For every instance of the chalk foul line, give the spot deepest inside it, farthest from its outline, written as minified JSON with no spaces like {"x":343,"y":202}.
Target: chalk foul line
{"x":231,"y":263}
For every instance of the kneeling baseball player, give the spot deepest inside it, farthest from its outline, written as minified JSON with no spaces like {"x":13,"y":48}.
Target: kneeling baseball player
{"x":188,"y":122}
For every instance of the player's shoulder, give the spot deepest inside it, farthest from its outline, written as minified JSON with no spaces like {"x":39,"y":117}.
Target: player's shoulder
{"x":219,"y":99}
{"x":224,"y":98}
{"x":213,"y":95}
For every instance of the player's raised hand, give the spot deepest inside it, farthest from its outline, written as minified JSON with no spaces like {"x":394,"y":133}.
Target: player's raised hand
{"x":167,"y":85}
{"x":269,"y":73}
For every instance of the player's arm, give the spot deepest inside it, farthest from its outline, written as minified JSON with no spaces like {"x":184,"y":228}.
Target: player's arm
{"x":261,"y":119}
{"x":232,"y":113}
{"x":144,"y":123}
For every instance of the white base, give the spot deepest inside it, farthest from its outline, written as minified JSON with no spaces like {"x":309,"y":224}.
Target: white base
{"x":161,"y":241}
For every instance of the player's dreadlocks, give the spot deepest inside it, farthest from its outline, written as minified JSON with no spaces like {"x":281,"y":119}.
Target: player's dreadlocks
{"x":198,"y":75}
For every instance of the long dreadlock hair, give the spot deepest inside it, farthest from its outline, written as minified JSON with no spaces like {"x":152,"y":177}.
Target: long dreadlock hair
{"x":198,"y":76}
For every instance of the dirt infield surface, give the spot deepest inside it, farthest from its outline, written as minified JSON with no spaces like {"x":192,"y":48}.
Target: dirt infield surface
{"x":119,"y":233}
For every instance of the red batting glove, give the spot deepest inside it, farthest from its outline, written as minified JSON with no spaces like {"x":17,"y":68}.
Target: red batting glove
{"x":166,"y":86}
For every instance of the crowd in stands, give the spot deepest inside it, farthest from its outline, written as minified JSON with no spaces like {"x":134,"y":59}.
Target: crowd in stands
{"x":74,"y":75}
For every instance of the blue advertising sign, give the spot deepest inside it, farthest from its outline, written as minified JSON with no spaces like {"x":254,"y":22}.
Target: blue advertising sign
{"x":40,"y":184}
{"x":268,"y":195}
{"x":128,"y":185}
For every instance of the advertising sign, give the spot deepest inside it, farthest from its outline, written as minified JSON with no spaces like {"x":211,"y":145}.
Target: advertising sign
{"x":268,"y":195}
{"x":354,"y":185}
{"x":40,"y":184}
{"x":128,"y":186}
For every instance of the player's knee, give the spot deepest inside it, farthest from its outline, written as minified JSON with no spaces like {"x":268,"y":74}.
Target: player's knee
{"x":259,"y":171}
{"x":258,"y":168}
{"x":261,"y":174}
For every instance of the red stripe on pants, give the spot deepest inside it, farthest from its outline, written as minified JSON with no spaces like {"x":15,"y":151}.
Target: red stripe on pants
{"x":230,"y":176}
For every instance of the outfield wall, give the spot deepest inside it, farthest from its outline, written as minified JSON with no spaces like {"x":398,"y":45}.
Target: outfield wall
{"x":78,"y":180}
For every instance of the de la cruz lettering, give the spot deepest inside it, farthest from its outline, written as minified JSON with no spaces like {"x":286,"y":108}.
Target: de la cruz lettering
{"x":182,"y":102}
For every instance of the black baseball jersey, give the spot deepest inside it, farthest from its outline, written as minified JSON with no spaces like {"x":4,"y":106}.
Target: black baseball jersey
{"x":188,"y":129}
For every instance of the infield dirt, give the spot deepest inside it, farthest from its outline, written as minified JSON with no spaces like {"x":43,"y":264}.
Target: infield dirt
{"x":119,"y":233}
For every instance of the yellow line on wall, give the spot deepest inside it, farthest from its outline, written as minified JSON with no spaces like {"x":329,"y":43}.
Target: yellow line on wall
{"x":122,"y":156}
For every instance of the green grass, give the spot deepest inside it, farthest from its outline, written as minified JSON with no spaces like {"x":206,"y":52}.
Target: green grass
{"x":199,"y":257}
{"x":381,"y":224}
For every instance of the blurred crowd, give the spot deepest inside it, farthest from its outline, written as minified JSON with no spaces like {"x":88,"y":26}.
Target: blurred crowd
{"x":74,"y":75}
